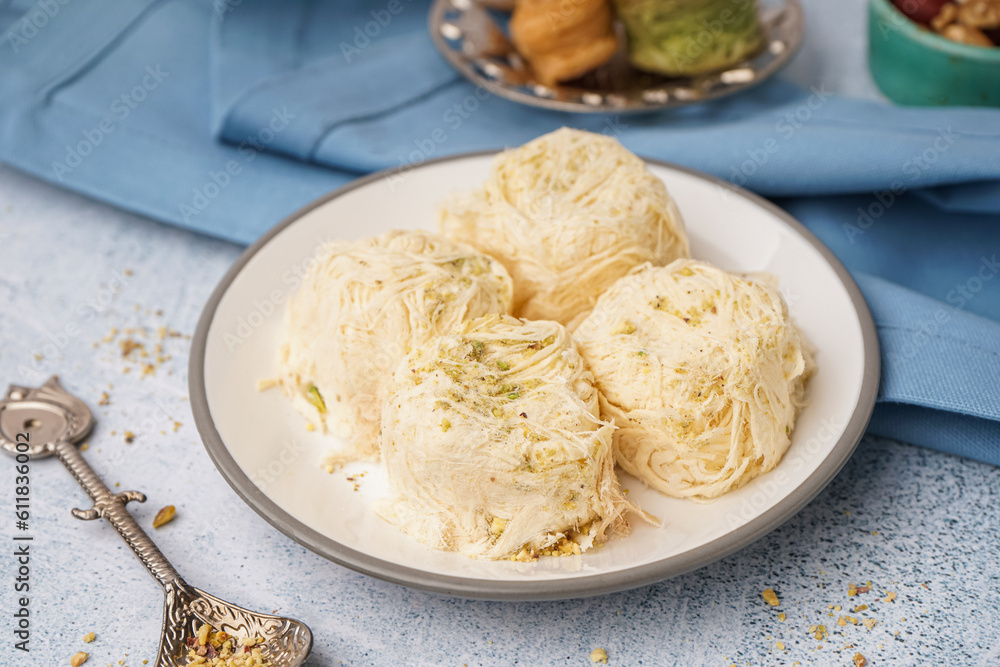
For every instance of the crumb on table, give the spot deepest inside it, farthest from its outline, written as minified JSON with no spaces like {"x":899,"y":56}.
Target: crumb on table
{"x":164,"y":516}
{"x":599,"y":655}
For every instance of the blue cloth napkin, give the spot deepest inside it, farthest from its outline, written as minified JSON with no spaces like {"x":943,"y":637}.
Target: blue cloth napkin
{"x":224,"y":116}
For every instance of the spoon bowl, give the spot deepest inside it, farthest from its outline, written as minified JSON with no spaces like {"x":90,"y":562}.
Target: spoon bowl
{"x":286,"y":641}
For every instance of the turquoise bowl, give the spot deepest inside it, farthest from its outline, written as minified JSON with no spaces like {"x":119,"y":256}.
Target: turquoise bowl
{"x":913,"y":66}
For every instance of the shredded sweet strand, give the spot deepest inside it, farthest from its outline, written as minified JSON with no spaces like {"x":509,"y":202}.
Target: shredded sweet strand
{"x":493,"y":445}
{"x":362,"y":307}
{"x":702,"y":371}
{"x":567,"y":214}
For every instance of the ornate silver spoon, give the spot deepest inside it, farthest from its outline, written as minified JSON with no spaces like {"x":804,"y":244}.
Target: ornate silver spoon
{"x":37,"y":423}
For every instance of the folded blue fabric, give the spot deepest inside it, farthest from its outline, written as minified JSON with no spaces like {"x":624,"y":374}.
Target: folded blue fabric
{"x":226,"y":115}
{"x":939,"y":371}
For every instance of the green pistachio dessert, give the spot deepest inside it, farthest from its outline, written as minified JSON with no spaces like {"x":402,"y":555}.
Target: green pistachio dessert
{"x":690,"y":37}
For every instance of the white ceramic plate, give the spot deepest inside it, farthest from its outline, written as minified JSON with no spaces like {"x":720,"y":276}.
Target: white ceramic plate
{"x":262,"y":448}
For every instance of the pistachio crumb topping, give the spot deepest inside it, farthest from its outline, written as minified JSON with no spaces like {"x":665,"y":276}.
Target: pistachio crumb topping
{"x":315,"y":398}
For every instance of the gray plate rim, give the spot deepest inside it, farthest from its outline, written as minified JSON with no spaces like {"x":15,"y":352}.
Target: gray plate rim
{"x":598,"y":584}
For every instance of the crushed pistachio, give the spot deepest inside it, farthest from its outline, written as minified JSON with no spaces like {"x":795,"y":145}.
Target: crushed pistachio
{"x":599,"y":655}
{"x":220,"y":649}
{"x":497,"y":526}
{"x":626,"y":328}
{"x":315,"y":398}
{"x":164,"y":516}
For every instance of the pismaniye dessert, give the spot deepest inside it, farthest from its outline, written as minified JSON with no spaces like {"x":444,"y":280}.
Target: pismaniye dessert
{"x":703,"y":373}
{"x":361,"y":309}
{"x":493,"y":445}
{"x":567,"y":214}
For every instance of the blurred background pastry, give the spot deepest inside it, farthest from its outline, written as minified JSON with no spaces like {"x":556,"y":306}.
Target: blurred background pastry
{"x":563,"y":39}
{"x":689,"y":37}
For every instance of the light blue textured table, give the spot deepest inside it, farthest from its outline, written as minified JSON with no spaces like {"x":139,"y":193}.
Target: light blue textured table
{"x":922,"y":525}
